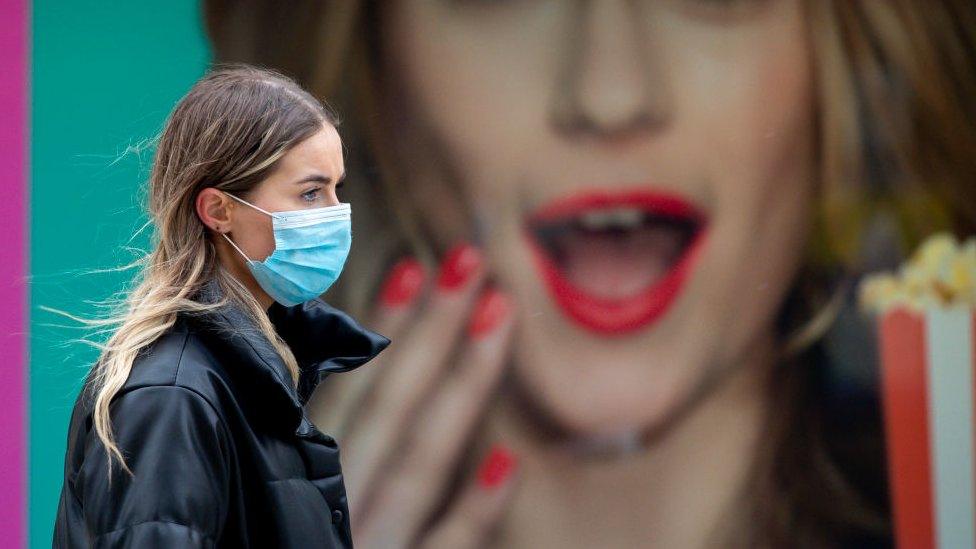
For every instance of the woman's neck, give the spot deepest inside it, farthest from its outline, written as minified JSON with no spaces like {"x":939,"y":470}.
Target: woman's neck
{"x":673,"y":493}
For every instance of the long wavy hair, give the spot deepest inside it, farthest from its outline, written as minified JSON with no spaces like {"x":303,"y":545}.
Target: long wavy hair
{"x":228,"y":132}
{"x":896,"y":124}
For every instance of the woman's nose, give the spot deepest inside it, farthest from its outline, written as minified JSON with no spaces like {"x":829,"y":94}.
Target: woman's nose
{"x":333,"y":198}
{"x":609,"y":85}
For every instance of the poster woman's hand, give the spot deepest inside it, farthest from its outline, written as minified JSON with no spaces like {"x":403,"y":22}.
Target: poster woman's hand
{"x":403,"y":421}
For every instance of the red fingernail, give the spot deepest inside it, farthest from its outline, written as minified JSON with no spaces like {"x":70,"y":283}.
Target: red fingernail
{"x":403,"y":283}
{"x":497,"y":467}
{"x":492,"y":308}
{"x":461,"y":262}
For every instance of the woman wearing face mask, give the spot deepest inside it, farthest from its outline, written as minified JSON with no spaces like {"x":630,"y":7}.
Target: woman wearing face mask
{"x":648,"y":179}
{"x":190,"y":429}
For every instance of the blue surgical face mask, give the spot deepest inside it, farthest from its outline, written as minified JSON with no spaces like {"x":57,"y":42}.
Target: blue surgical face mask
{"x":310,"y":249}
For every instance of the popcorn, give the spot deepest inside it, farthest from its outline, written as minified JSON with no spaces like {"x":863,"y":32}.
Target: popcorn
{"x":941,"y":273}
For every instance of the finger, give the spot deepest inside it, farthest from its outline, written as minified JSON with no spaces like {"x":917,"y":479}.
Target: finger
{"x":400,"y":291}
{"x":415,"y":366}
{"x":480,"y":507}
{"x":331,"y":407}
{"x":444,"y":426}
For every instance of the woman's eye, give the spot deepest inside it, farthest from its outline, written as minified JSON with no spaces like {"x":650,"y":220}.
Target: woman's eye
{"x":310,"y":195}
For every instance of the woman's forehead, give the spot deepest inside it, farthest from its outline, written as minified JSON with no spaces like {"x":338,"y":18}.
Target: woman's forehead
{"x":320,"y":152}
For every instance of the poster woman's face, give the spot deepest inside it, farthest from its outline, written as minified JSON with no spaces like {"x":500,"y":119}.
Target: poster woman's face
{"x":639,"y":173}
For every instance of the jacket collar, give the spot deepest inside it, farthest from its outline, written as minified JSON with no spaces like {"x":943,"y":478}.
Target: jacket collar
{"x":324,"y":340}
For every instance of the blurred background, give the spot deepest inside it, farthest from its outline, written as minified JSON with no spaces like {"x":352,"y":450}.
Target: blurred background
{"x":672,"y":189}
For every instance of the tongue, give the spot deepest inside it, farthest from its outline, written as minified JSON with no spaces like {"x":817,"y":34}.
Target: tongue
{"x":618,"y":264}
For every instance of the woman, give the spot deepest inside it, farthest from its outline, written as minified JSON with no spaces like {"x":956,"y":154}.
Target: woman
{"x":674,"y":192}
{"x":190,"y":430}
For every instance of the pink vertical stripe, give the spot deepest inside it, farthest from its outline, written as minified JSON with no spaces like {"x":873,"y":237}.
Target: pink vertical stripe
{"x":13,"y":261}
{"x":905,"y":394}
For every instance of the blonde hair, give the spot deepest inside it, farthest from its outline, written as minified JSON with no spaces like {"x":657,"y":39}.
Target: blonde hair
{"x":228,"y":132}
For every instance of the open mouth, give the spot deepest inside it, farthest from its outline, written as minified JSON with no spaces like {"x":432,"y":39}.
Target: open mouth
{"x":615,"y":262}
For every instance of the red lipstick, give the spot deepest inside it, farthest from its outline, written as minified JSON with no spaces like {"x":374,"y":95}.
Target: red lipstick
{"x":614,"y":262}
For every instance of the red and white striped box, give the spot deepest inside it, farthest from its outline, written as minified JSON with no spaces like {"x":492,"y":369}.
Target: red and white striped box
{"x":927,"y":385}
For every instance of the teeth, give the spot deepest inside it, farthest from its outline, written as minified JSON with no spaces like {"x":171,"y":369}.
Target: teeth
{"x":613,"y":218}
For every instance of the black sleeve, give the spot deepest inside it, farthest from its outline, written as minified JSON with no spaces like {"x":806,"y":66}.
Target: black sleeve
{"x":180,"y":452}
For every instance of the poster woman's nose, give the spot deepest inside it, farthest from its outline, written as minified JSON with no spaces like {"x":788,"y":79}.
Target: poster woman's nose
{"x":610,"y":82}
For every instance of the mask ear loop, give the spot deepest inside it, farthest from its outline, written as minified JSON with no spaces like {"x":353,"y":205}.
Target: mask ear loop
{"x":251,"y":205}
{"x":227,"y":238}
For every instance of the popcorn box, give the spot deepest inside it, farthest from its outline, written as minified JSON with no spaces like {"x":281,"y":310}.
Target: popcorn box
{"x":926,"y":331}
{"x":927,"y":387}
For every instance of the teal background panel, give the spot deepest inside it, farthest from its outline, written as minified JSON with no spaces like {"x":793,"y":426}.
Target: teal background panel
{"x":105,"y":74}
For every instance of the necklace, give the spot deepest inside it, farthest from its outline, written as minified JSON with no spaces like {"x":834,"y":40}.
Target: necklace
{"x":607,"y":445}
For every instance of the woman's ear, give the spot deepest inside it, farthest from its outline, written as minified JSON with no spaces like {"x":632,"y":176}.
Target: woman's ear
{"x":214,"y":209}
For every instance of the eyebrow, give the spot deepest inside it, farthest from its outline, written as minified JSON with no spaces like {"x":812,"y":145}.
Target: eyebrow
{"x":319,"y":178}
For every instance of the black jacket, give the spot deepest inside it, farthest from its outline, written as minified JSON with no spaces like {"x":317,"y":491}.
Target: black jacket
{"x":216,"y":435}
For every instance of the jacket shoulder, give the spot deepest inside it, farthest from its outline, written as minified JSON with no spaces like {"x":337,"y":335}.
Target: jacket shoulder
{"x":178,"y":358}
